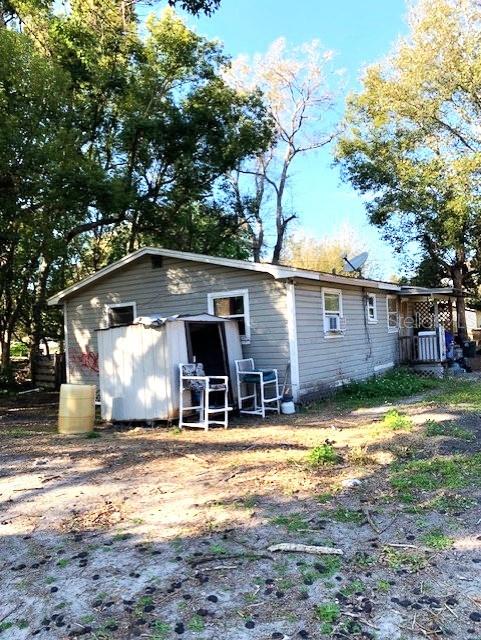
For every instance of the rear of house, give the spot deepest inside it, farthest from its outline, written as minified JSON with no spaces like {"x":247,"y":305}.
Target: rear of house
{"x":326,"y":329}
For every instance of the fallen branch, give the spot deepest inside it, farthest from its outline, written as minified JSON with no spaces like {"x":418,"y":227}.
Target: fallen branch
{"x":305,"y":548}
{"x":371,"y":522}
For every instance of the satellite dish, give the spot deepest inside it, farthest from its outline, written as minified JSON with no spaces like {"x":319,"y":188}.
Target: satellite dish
{"x":356,"y":263}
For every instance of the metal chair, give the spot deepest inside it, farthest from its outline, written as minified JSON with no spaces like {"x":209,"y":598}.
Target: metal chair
{"x":192,"y":379}
{"x":259,"y":379}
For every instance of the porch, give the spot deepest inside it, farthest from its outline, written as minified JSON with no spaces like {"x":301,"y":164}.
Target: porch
{"x":426,"y":315}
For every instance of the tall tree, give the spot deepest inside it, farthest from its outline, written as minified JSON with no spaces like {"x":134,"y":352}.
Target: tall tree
{"x":108,"y":132}
{"x":413,"y":143}
{"x":295,"y":88}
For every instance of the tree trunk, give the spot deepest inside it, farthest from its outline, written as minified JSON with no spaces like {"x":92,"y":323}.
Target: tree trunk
{"x":5,"y":362}
{"x":458,"y":280}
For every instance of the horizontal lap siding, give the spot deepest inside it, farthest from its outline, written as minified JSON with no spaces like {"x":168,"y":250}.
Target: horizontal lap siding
{"x":177,"y":287}
{"x":325,"y":361}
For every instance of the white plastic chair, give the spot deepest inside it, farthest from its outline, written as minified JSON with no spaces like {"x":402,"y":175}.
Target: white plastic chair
{"x":259,"y":379}
{"x":192,"y":378}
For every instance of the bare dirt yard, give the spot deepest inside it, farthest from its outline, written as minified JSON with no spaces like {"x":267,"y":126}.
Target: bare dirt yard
{"x":161,"y":534}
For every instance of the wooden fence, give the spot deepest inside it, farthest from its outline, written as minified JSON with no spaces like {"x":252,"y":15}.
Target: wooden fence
{"x":49,"y":371}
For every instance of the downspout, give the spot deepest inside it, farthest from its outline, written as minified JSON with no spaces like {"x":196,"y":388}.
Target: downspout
{"x":292,"y":336}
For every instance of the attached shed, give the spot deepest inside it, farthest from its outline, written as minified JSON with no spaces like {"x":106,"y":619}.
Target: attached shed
{"x":139,"y":362}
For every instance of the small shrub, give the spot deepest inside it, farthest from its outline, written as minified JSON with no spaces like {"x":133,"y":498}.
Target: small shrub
{"x":323,"y":454}
{"x":394,"y":421}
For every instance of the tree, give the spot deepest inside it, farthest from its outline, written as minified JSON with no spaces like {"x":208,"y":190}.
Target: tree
{"x":326,"y":253}
{"x":295,"y":88}
{"x":413,"y":143}
{"x":109,"y":133}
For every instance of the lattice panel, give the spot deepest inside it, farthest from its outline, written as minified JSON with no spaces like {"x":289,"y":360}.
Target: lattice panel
{"x":445,"y":314}
{"x":424,"y":315}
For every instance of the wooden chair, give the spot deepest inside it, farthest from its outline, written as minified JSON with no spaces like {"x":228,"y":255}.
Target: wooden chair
{"x":248,"y":376}
{"x":192,"y":378}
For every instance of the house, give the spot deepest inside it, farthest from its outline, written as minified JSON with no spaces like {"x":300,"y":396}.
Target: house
{"x":328,"y":329}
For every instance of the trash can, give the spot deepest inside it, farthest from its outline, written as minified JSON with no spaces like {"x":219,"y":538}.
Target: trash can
{"x":469,"y":349}
{"x":76,"y":412}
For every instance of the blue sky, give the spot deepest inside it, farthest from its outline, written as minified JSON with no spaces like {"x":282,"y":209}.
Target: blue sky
{"x":359,"y":32}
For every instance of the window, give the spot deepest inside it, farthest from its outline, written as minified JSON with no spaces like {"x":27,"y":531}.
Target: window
{"x":332,"y":308}
{"x":235,"y":305}
{"x":371,"y":308}
{"x":392,"y":314}
{"x":122,"y":313}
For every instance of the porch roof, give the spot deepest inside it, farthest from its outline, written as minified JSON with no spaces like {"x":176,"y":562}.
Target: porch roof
{"x":437,"y":293}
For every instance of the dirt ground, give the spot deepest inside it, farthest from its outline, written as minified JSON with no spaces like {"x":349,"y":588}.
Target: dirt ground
{"x":152,"y":533}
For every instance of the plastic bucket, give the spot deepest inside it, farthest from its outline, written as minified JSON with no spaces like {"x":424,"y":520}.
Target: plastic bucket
{"x":288,"y":407}
{"x":76,"y":412}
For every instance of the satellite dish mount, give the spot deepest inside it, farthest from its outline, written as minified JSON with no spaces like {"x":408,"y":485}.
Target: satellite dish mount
{"x":354,"y":265}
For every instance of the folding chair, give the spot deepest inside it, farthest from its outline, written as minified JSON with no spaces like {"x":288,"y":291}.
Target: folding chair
{"x":254,"y":382}
{"x":192,"y":379}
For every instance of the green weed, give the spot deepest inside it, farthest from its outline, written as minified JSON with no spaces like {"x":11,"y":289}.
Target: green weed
{"x":91,"y":435}
{"x":161,"y":630}
{"x":449,"y":472}
{"x":292,"y":522}
{"x":399,"y":558}
{"x":328,"y":614}
{"x":383,"y":586}
{"x":346,"y":515}
{"x":450,"y":429}
{"x":322,"y":498}
{"x":395,"y":421}
{"x":196,"y":623}
{"x":323,"y":454}
{"x":436,"y":539}
{"x":356,"y":586}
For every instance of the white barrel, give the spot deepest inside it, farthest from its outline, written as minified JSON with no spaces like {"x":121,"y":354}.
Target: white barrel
{"x":76,"y":413}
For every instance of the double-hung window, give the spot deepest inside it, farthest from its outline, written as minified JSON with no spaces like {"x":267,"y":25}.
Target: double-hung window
{"x":233,"y":305}
{"x":392,"y":314}
{"x":121,"y":313}
{"x":371,"y":308}
{"x":332,"y":312}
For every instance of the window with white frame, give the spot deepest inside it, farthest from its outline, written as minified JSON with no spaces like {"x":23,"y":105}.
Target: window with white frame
{"x":392,"y":313}
{"x":332,"y":310}
{"x":371,"y":308}
{"x":121,"y":313}
{"x":233,"y":305}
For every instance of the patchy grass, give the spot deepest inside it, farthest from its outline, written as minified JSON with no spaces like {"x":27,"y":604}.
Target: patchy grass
{"x":449,"y":429}
{"x":323,"y":454}
{"x":403,"y":559}
{"x":292,"y":522}
{"x":346,"y":515}
{"x":393,"y":385}
{"x":458,"y":392}
{"x":449,"y":472}
{"x":437,"y":539}
{"x":328,"y":614}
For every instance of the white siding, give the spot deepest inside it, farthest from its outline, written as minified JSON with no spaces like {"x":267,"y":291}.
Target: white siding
{"x":362,"y":350}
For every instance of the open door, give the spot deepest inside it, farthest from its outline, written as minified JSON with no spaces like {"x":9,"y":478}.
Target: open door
{"x":206,"y":344}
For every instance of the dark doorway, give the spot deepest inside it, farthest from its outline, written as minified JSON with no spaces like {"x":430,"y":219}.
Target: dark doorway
{"x":207,"y":345}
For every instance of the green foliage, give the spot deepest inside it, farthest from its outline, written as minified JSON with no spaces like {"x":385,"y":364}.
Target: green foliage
{"x":450,"y":429}
{"x":394,"y":421}
{"x":437,"y":539}
{"x":400,"y":558}
{"x":413,"y":149}
{"x":397,"y":383}
{"x":323,"y":454}
{"x":19,"y":350}
{"x":292,"y":522}
{"x":114,"y":132}
{"x":346,"y":515}
{"x":449,"y":472}
{"x":328,"y":612}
